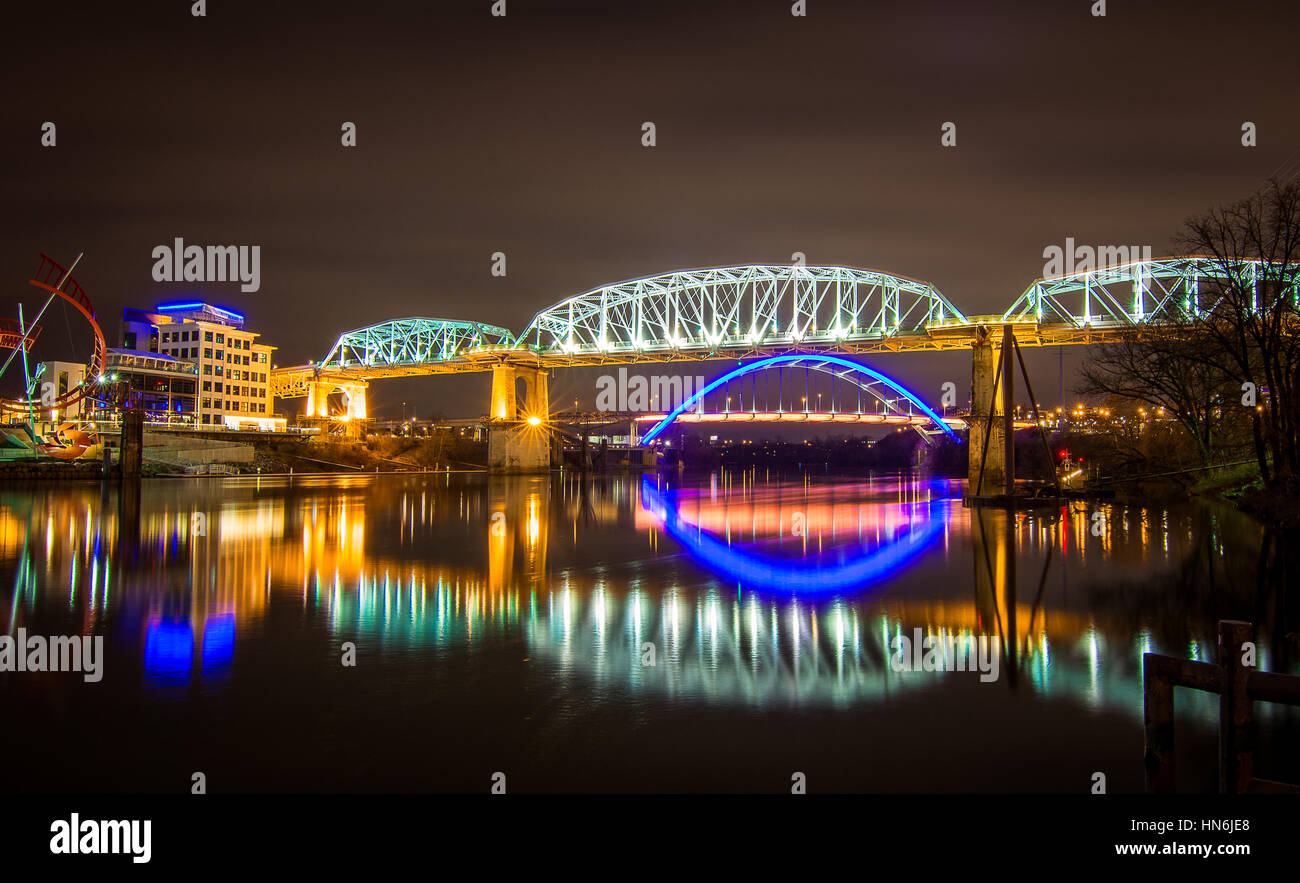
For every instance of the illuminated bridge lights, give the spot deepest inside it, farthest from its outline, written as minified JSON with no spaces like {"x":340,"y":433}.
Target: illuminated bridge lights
{"x":412,"y":342}
{"x":728,"y":307}
{"x":1137,"y":292}
{"x":836,"y":366}
{"x":752,"y":311}
{"x":802,"y":417}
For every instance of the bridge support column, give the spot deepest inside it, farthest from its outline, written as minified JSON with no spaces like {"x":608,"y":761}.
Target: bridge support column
{"x":505,"y":399}
{"x":504,"y":405}
{"x":318,"y":399}
{"x":514,"y":443}
{"x":997,"y":452}
{"x":355,"y":393}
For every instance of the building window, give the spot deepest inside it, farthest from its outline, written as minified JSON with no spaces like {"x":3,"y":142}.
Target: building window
{"x":207,"y":369}
{"x":207,"y":336}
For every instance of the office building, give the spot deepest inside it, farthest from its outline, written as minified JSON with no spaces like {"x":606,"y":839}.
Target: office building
{"x":232,"y":368}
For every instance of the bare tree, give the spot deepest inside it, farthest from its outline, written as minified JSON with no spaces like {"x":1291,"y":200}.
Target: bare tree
{"x":1248,"y":320}
{"x":1168,"y":367}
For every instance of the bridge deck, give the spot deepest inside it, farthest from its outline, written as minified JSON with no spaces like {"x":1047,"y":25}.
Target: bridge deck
{"x":293,"y":381}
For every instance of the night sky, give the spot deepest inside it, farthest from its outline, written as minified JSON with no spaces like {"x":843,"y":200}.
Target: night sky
{"x":522,"y":134}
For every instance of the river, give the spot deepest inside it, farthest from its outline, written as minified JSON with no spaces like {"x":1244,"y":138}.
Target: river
{"x":714,"y":633}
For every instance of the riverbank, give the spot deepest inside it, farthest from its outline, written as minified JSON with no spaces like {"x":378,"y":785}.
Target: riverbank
{"x":50,"y":469}
{"x":1238,"y":485}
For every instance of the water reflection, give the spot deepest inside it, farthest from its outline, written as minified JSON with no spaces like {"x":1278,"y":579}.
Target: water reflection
{"x":752,"y":591}
{"x":835,"y":544}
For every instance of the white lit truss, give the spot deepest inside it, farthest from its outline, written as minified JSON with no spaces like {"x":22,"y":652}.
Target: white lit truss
{"x":412,"y":342}
{"x":1140,"y":292}
{"x":739,"y":308}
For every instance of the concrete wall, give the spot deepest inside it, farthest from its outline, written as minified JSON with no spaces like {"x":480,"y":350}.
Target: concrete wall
{"x":180,"y":451}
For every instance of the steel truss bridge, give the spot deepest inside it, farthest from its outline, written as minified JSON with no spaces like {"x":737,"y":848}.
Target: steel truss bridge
{"x":762,"y":311}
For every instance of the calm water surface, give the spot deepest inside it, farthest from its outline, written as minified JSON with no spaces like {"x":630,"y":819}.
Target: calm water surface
{"x":504,"y":624}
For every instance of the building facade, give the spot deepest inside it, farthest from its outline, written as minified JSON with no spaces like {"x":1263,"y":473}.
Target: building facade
{"x":232,"y":368}
{"x":162,"y":386}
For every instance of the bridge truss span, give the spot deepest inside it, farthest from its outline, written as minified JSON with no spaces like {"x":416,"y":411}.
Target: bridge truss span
{"x":413,"y":342}
{"x":729,"y":309}
{"x":1129,"y":295}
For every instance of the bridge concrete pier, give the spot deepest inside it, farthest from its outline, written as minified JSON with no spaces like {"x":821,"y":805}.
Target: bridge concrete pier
{"x":519,"y":439}
{"x":519,"y":448}
{"x":505,"y":397}
{"x":354,"y":394}
{"x":991,"y":389}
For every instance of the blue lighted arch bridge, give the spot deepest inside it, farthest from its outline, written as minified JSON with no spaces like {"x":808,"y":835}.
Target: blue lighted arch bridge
{"x":893,"y":403}
{"x":755,"y":312}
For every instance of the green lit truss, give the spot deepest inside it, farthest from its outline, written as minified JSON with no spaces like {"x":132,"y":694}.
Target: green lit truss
{"x":738,"y":308}
{"x":1141,"y":292}
{"x":412,"y":342}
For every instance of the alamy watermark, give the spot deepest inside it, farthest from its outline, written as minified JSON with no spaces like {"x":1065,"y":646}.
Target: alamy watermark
{"x":77,"y":836}
{"x":1082,"y":258}
{"x":659,"y":392}
{"x":921,"y":652}
{"x":214,"y":263}
{"x":80,"y":653}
